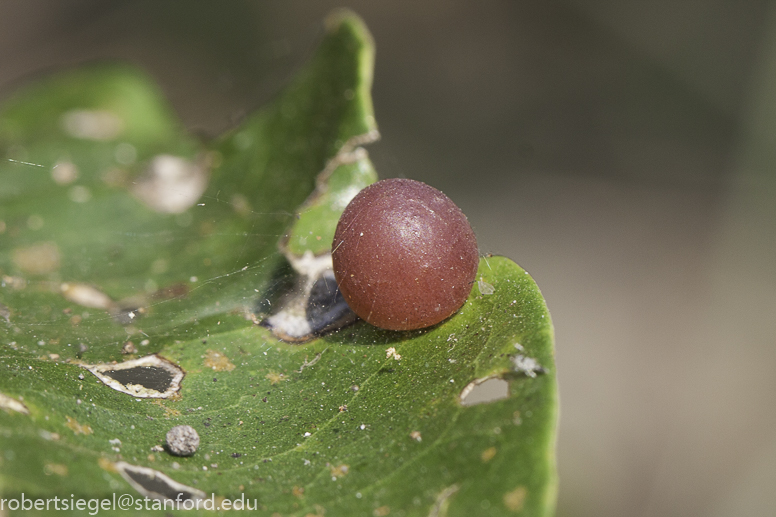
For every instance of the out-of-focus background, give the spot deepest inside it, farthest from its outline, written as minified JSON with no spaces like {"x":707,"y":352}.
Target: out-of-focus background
{"x":624,"y":153}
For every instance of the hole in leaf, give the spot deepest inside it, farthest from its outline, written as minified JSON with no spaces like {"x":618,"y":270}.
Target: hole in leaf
{"x":326,"y":308}
{"x":311,"y":306}
{"x":483,"y":391}
{"x":151,"y":376}
{"x":155,"y":485}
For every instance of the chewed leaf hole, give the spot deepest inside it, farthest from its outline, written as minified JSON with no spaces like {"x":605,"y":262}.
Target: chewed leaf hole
{"x":151,"y":376}
{"x":313,"y":306}
{"x":326,"y":308}
{"x":156,"y":485}
{"x":482,"y":391}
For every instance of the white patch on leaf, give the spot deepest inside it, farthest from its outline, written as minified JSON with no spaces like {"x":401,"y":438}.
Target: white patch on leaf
{"x":9,"y":404}
{"x":527,"y":365}
{"x":99,"y":125}
{"x":171,"y":184}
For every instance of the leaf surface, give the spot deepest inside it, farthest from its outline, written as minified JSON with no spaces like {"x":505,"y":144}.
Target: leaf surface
{"x":93,"y":273}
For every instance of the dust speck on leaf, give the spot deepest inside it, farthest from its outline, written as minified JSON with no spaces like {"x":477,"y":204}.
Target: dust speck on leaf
{"x":168,"y":411}
{"x":64,"y":172}
{"x":439,"y":508}
{"x":391,"y":352}
{"x":9,"y":404}
{"x":382,"y":511}
{"x":85,"y":124}
{"x":37,"y":259}
{"x":218,"y":362}
{"x":338,"y":471}
{"x":106,"y":464}
{"x":171,"y":184}
{"x":114,"y":177}
{"x":415,"y":435}
{"x":182,"y":440}
{"x":160,"y":266}
{"x":485,"y":288}
{"x":77,"y":428}
{"x":79,"y":194}
{"x":125,"y":153}
{"x":307,"y":363}
{"x":129,"y":348}
{"x":86,"y":295}
{"x":171,"y":292}
{"x":48,"y":436}
{"x":5,"y":313}
{"x":526,"y":365}
{"x":515,"y":499}
{"x":241,"y":205}
{"x":55,"y":468}
{"x":128,"y":310}
{"x":488,"y":454}
{"x":275,"y":377}
{"x":35,"y":222}
{"x":14,"y":282}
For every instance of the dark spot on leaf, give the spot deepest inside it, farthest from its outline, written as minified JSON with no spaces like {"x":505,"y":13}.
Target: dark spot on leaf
{"x":179,"y":290}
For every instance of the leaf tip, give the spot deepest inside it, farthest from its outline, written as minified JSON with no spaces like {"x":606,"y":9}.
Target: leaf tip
{"x":345,"y":19}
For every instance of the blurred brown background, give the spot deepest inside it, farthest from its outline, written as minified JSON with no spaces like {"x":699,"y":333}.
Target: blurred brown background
{"x":623,"y":152}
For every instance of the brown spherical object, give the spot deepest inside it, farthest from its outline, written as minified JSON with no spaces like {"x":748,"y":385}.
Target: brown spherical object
{"x":405,"y":256}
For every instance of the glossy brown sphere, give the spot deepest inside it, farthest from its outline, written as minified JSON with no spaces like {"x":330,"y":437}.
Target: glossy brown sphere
{"x":405,"y":256}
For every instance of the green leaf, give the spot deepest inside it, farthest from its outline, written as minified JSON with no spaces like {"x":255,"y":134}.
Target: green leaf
{"x":92,"y":267}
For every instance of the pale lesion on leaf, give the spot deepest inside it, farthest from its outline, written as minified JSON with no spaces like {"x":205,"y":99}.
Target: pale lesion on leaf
{"x":9,"y":404}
